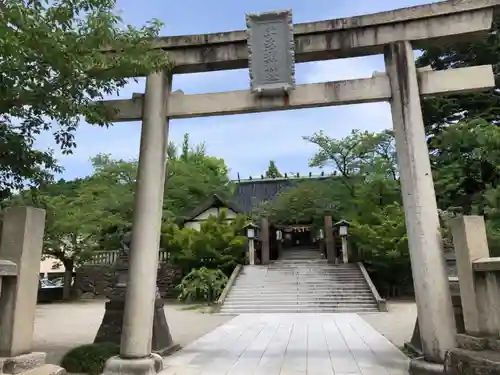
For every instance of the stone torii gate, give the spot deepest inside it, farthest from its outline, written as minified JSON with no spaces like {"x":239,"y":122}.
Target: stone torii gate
{"x":270,"y":48}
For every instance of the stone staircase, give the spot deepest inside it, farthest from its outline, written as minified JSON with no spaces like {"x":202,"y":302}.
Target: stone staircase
{"x":300,"y":282}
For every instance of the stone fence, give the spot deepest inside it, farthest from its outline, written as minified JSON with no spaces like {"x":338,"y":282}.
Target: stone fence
{"x":96,"y":277}
{"x":96,"y":280}
{"x":478,"y":348}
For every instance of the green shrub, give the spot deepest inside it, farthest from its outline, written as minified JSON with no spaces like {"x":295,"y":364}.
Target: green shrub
{"x":217,"y":245}
{"x":90,"y":358}
{"x":383,"y":241}
{"x":202,"y":285}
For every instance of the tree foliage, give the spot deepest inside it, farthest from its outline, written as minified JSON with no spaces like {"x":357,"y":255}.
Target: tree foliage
{"x":76,"y":215}
{"x":380,"y":235}
{"x":52,"y":71}
{"x":272,"y":170}
{"x":463,"y":132}
{"x":219,"y":244}
{"x":202,"y":285}
{"x":191,"y":178}
{"x":441,"y":111}
{"x":305,"y":203}
{"x":360,"y":157}
{"x":466,"y":161}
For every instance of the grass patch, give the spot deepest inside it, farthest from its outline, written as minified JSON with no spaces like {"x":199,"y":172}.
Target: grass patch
{"x":408,"y":352}
{"x":90,"y":358}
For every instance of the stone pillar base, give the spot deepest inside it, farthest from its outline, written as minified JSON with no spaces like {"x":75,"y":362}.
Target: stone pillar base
{"x":22,"y":363}
{"x":419,"y":366}
{"x":474,"y":356}
{"x":111,"y":327}
{"x":133,"y":366}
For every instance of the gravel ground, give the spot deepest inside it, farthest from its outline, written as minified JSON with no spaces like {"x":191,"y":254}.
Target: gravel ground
{"x":397,"y":324}
{"x":60,"y":327}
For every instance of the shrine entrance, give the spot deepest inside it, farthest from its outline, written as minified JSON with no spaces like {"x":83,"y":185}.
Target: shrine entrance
{"x":298,"y":236}
{"x":270,"y":48}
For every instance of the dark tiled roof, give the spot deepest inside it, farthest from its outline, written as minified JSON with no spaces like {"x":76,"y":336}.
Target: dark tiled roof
{"x":250,"y":193}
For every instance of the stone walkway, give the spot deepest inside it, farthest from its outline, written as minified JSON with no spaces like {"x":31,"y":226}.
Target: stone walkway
{"x":285,"y":344}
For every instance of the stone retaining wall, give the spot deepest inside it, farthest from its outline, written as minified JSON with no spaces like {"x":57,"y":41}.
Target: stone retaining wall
{"x":94,"y":281}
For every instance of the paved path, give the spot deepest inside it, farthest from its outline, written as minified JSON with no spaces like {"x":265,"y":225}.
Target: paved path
{"x":285,"y":344}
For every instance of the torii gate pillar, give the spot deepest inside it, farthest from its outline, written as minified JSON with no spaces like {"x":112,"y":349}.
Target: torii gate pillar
{"x":432,"y":291}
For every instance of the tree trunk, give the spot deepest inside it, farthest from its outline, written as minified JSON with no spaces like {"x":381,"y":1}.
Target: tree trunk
{"x":68,"y":279}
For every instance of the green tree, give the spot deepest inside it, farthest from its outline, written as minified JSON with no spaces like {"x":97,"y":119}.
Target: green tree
{"x":219,"y":244}
{"x":52,"y":71}
{"x":114,"y":181}
{"x":465,"y":163}
{"x":273,"y":171}
{"x":444,"y":110}
{"x":306,"y":202}
{"x":76,"y":214}
{"x":380,"y":235}
{"x":358,"y":158}
{"x":465,"y":160}
{"x":189,"y":181}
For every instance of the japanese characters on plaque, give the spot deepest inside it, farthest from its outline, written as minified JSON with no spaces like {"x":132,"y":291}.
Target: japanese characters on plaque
{"x":271,"y":59}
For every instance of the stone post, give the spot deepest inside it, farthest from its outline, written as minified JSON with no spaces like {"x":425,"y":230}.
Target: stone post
{"x":279,"y":245}
{"x":345,"y":249}
{"x":251,"y":252}
{"x":21,"y":243}
{"x":135,"y":350}
{"x":329,"y":243}
{"x":480,"y":310}
{"x":264,"y":238}
{"x":432,"y":292}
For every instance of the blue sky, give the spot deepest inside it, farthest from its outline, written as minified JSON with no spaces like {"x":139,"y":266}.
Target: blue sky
{"x":246,"y":142}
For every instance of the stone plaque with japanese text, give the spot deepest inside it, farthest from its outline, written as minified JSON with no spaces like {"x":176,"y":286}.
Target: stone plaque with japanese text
{"x":271,"y":52}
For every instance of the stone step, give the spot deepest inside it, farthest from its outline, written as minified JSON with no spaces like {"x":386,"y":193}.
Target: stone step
{"x":292,"y":297}
{"x":292,"y":280}
{"x":335,"y":287}
{"x":304,"y":273}
{"x":320,"y":262}
{"x":305,"y":265}
{"x":325,"y":303}
{"x":277,"y":310}
{"x":298,"y":289}
{"x":324,"y":281}
{"x":288,"y":292}
{"x":298,"y":296}
{"x":314,"y":277}
{"x":319,"y":290}
{"x":304,"y":268}
{"x":291,"y":286}
{"x":303,"y":299}
{"x":303,"y":288}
